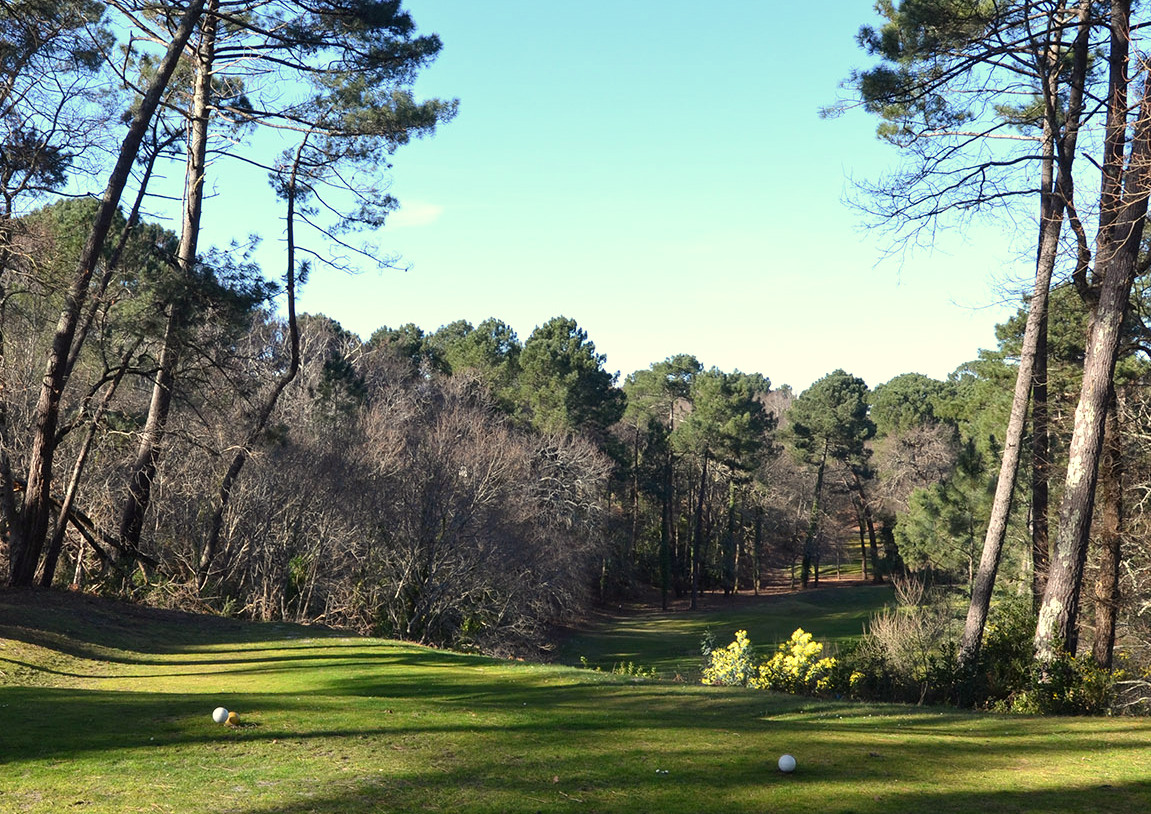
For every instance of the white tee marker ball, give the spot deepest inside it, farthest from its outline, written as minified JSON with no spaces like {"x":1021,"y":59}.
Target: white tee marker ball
{"x":219,"y":715}
{"x":786,"y":763}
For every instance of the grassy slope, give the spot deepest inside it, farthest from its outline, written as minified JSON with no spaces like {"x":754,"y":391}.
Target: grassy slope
{"x":107,"y":709}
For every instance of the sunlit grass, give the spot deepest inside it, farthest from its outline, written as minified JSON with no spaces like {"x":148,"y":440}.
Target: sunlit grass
{"x":669,"y":641}
{"x":101,"y":715}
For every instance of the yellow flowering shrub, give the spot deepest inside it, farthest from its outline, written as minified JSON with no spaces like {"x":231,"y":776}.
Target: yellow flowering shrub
{"x":731,"y":666}
{"x":855,"y":682}
{"x":795,"y":668}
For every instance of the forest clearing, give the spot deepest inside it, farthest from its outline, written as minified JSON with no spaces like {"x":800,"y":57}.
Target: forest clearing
{"x":254,"y":559}
{"x":107,"y":707}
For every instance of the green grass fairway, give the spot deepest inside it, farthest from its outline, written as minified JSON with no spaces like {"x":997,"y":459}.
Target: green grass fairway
{"x":106,"y":709}
{"x":669,"y":641}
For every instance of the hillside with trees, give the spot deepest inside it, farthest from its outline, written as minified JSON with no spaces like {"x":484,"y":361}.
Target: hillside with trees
{"x":174,"y":431}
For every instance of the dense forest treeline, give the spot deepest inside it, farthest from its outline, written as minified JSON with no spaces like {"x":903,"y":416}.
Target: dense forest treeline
{"x":464,"y":487}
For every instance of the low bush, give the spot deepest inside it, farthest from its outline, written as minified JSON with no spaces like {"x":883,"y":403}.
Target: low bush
{"x":731,"y":666}
{"x":1007,"y":657}
{"x":1068,"y":685}
{"x":796,"y":667}
{"x":1007,"y":678}
{"x":907,"y":653}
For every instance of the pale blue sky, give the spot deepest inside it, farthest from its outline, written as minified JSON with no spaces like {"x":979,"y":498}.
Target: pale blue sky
{"x":657,"y":170}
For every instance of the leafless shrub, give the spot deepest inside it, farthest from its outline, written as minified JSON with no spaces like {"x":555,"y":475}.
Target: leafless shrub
{"x":913,"y":459}
{"x":911,"y":646}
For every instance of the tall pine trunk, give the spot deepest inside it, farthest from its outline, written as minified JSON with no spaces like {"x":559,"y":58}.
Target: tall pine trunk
{"x":1058,"y":144}
{"x":665,"y":523}
{"x":1123,"y":212}
{"x":867,"y":521}
{"x":1057,"y":627}
{"x":139,"y":493}
{"x":1110,"y":540}
{"x":862,"y":537}
{"x":27,"y":536}
{"x":809,"y":543}
{"x":984,"y":581}
{"x":1040,"y":470}
{"x":697,"y":536}
{"x":757,"y":551}
{"x":730,"y":545}
{"x":633,"y":535}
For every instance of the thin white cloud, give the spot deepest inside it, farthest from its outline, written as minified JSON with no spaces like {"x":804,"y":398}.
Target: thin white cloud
{"x":415,"y":214}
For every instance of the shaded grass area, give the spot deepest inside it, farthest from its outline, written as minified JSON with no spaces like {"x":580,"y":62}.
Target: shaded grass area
{"x":337,"y":724}
{"x":669,"y":641}
{"x":95,"y":627}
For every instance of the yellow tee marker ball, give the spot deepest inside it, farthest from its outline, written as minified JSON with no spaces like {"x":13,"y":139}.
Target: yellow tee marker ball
{"x":233,"y":719}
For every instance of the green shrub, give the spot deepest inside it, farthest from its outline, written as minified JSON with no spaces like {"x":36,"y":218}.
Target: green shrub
{"x":1068,"y":685}
{"x":1007,"y":657}
{"x":1008,"y":639}
{"x":1009,"y":680}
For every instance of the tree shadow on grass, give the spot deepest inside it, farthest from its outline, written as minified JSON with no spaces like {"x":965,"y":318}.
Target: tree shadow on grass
{"x":92,"y":627}
{"x":512,"y":738}
{"x":673,"y":798}
{"x":581,"y":751}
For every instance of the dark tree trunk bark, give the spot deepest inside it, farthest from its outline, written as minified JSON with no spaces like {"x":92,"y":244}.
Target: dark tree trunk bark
{"x":633,"y":534}
{"x":1040,"y":471}
{"x":873,"y":540}
{"x":867,"y":521}
{"x":1110,"y":540}
{"x":809,"y":543}
{"x":697,"y":536}
{"x":664,"y":555}
{"x":56,"y":543}
{"x":862,"y":538}
{"x":730,"y":547}
{"x":665,"y":524}
{"x":139,"y":494}
{"x":758,"y":556}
